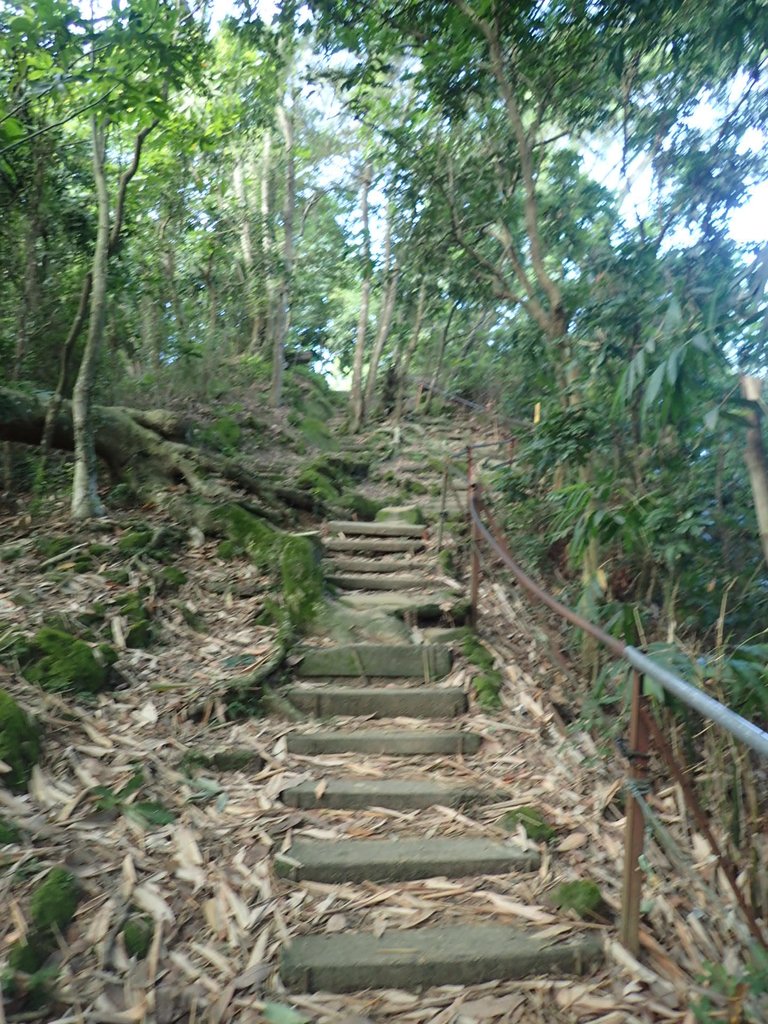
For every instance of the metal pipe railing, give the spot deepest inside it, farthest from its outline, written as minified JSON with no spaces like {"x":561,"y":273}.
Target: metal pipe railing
{"x":641,"y":727}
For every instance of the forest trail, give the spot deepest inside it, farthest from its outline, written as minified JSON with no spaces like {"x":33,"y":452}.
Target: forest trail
{"x":381,"y":682}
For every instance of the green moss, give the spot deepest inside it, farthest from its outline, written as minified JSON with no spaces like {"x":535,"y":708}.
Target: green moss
{"x":137,"y":935}
{"x":119,"y":576}
{"x":227,"y":550}
{"x":223,"y":434}
{"x":60,"y":662}
{"x":172,"y":578}
{"x":475,"y":652}
{"x":445,"y":560}
{"x":54,"y":902}
{"x":121,"y":496}
{"x":400,"y":514}
{"x":249,"y":534}
{"x":234,"y":759}
{"x":583,"y":898}
{"x":29,"y":957}
{"x":10,"y":553}
{"x":319,"y":484}
{"x":316,"y":433}
{"x":8,"y":833}
{"x":360,"y":506}
{"x":50,"y":547}
{"x":414,"y":486}
{"x":532,"y":821}
{"x":301,"y":579}
{"x":487,"y":686}
{"x":134,"y":542}
{"x":140,"y":632}
{"x":19,"y":742}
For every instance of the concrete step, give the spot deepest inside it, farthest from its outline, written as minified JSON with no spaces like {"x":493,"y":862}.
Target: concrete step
{"x":416,"y":958}
{"x":396,"y":743}
{"x":360,"y":529}
{"x":346,"y":564}
{"x":400,"y":860}
{"x":387,"y":581}
{"x":429,"y":605}
{"x":392,"y":702}
{"x":397,"y":794}
{"x":392,"y":660}
{"x":373,"y":545}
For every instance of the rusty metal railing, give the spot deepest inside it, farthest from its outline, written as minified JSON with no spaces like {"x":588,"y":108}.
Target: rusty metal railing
{"x":643,"y":728}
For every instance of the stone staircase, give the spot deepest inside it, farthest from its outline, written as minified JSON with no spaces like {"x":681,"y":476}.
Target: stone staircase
{"x":396,"y":699}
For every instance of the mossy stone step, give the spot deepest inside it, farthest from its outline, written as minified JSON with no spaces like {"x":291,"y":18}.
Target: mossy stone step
{"x":376,"y":565}
{"x":417,"y":958}
{"x":390,"y":702}
{"x":390,"y":660}
{"x":383,"y":545}
{"x":400,"y":514}
{"x":371,"y":581}
{"x":400,"y":860}
{"x":429,"y":604}
{"x":399,"y":743}
{"x":397,"y":794}
{"x":362,"y":529}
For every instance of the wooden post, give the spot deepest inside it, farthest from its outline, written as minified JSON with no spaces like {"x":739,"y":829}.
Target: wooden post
{"x":443,"y":500}
{"x":635,"y":824}
{"x":474,"y":552}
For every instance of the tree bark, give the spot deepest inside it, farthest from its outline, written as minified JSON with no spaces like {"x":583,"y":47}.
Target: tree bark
{"x":404,"y":361}
{"x":440,"y":354}
{"x":755,"y":458}
{"x":382,"y":336}
{"x":85,"y":495}
{"x":356,"y":391}
{"x":283,"y":311}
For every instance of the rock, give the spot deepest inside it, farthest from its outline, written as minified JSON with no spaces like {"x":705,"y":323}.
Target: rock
{"x":400,"y":514}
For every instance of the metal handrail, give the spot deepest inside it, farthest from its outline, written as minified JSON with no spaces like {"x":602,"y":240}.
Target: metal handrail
{"x":642,"y":727}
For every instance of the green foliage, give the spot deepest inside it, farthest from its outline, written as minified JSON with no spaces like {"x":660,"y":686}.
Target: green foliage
{"x":144,"y":812}
{"x":140,"y":631}
{"x":8,"y":833}
{"x":54,"y":902}
{"x":224,"y":435}
{"x":60,"y":662}
{"x":582,"y":897}
{"x":487,"y":686}
{"x":745,"y":993}
{"x":477,"y":653}
{"x":137,"y":935}
{"x":19,"y":743}
{"x":532,"y":820}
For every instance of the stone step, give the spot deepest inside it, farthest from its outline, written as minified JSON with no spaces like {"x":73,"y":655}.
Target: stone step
{"x":392,"y":702}
{"x":362,"y":529}
{"x":400,"y":860}
{"x":417,"y":958}
{"x":372,"y":544}
{"x":397,"y":794}
{"x":392,"y":660}
{"x":370,"y":581}
{"x":399,"y":743}
{"x":347,"y":564}
{"x":427,"y":605}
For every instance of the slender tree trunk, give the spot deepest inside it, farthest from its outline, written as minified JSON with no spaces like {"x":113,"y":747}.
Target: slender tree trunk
{"x":283,"y":311}
{"x":247,"y":250}
{"x":85,"y":496}
{"x":441,"y":354}
{"x":755,"y":458}
{"x":404,"y":361}
{"x":267,"y":324}
{"x":356,"y":392}
{"x":382,"y":336}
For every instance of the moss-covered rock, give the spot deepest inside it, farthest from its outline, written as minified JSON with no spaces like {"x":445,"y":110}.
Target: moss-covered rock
{"x":359,"y":505}
{"x":29,"y":957}
{"x":400,"y":514}
{"x":54,"y":902}
{"x":582,"y":897}
{"x":301,"y":579}
{"x":137,"y":936}
{"x":19,"y":742}
{"x":60,"y":662}
{"x":8,"y":833}
{"x":532,"y":820}
{"x":249,"y":534}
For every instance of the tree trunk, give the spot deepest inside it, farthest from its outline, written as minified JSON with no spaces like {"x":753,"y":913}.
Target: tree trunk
{"x":440,"y":355}
{"x":249,"y":262}
{"x":382,"y":336}
{"x":265,"y":337}
{"x":283,"y":311}
{"x":356,"y":391}
{"x":404,"y":361}
{"x":85,"y":495}
{"x":755,"y":458}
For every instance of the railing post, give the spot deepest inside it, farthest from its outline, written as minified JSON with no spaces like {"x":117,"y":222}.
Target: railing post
{"x":443,"y":501}
{"x":635,"y":824}
{"x":474,"y":545}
